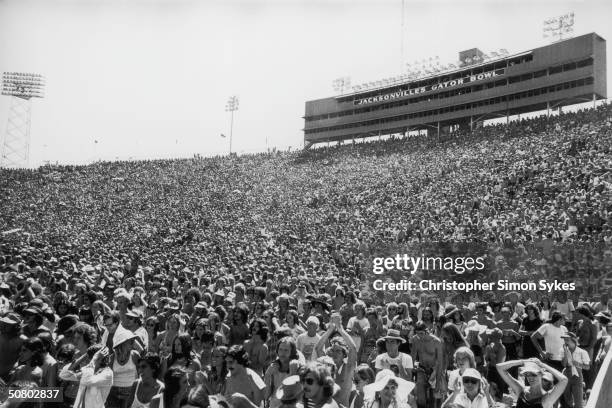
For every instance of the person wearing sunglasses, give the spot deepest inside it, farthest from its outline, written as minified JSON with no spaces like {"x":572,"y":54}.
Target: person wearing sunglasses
{"x":472,"y":392}
{"x":388,"y":391}
{"x":319,"y":386}
{"x":364,"y":375}
{"x":147,"y":385}
{"x":540,"y":377}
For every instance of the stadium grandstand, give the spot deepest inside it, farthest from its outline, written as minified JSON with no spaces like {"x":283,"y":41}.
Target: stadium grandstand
{"x":249,"y":281}
{"x":563,"y":73}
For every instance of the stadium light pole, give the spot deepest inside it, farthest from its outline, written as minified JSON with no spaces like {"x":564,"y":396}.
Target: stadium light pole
{"x":231,"y":106}
{"x":342,"y":84}
{"x":22,"y":87}
{"x":555,"y":27}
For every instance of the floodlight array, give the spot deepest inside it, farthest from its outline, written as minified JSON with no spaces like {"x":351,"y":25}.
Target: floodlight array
{"x":23,"y":85}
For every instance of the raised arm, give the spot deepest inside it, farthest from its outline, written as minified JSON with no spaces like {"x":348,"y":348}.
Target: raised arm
{"x":557,"y":390}
{"x":323,"y":340}
{"x":502,"y":369}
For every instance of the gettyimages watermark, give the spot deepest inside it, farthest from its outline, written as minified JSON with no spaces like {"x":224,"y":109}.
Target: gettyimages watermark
{"x":455,"y":267}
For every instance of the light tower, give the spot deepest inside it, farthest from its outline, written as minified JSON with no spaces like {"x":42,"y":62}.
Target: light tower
{"x":558,"y":27}
{"x":16,"y":144}
{"x":232,"y":106}
{"x":342,"y":84}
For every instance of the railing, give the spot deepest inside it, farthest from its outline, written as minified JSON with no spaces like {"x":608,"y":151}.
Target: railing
{"x":601,"y":393}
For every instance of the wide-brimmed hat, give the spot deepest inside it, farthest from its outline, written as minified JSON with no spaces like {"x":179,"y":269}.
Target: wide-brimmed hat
{"x":473,"y":325}
{"x":136,"y":314}
{"x":290,"y":389}
{"x":322,"y":300}
{"x":122,"y":335}
{"x":393,"y":334}
{"x":11,"y":318}
{"x":404,"y":388}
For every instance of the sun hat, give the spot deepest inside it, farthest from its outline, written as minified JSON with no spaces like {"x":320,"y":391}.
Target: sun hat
{"x":404,"y":388}
{"x":290,"y":389}
{"x":393,"y":334}
{"x":11,"y":318}
{"x":122,"y":335}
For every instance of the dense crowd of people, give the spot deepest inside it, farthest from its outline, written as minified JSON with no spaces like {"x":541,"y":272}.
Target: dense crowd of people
{"x":246,"y":281}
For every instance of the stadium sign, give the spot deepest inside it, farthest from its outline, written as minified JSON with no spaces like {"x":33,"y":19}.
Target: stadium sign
{"x":442,"y":85}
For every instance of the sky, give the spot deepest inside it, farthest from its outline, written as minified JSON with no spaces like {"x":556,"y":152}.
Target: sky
{"x":137,"y":79}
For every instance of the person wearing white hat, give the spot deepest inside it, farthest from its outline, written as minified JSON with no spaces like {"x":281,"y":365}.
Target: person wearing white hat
{"x":124,"y":362}
{"x":473,"y":392}
{"x":290,"y":392}
{"x":540,"y":378}
{"x":388,"y":390}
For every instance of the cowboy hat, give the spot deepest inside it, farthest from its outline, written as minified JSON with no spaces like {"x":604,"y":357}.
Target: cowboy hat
{"x":393,"y":334}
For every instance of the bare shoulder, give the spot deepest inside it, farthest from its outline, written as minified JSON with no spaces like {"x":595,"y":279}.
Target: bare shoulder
{"x":155,"y":401}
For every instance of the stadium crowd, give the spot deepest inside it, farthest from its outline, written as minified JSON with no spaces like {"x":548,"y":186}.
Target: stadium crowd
{"x":246,"y":281}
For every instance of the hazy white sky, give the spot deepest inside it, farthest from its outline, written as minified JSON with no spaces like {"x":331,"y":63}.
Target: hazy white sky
{"x":151,"y":78}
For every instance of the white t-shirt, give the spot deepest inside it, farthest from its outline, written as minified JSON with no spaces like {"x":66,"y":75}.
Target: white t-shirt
{"x":361,"y":322}
{"x":552,"y":339}
{"x":403,"y":360}
{"x":480,"y":401}
{"x":306,"y":345}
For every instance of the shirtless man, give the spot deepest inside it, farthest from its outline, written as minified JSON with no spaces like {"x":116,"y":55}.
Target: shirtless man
{"x":242,"y":379}
{"x":428,"y":352}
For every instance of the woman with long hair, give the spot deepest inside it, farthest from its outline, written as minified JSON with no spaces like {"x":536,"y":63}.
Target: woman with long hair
{"x":529,"y":325}
{"x":545,"y":308}
{"x":216,"y":373}
{"x":98,"y":309}
{"x":452,"y":339}
{"x":428,"y":317}
{"x":139,"y":303}
{"x":358,"y":324}
{"x":367,"y":351}
{"x":388,"y":391}
{"x":292,"y":322}
{"x":215,"y":326}
{"x":364,"y":375}
{"x":182,"y":356}
{"x":165,"y":340}
{"x":256,"y":346}
{"x":239,"y":328}
{"x":319,"y":386}
{"x":200,"y":326}
{"x":541,"y":379}
{"x":176,"y":390}
{"x":463,"y":359}
{"x":286,"y":351}
{"x":147,"y":385}
{"x":152,"y":327}
{"x":30,"y":361}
